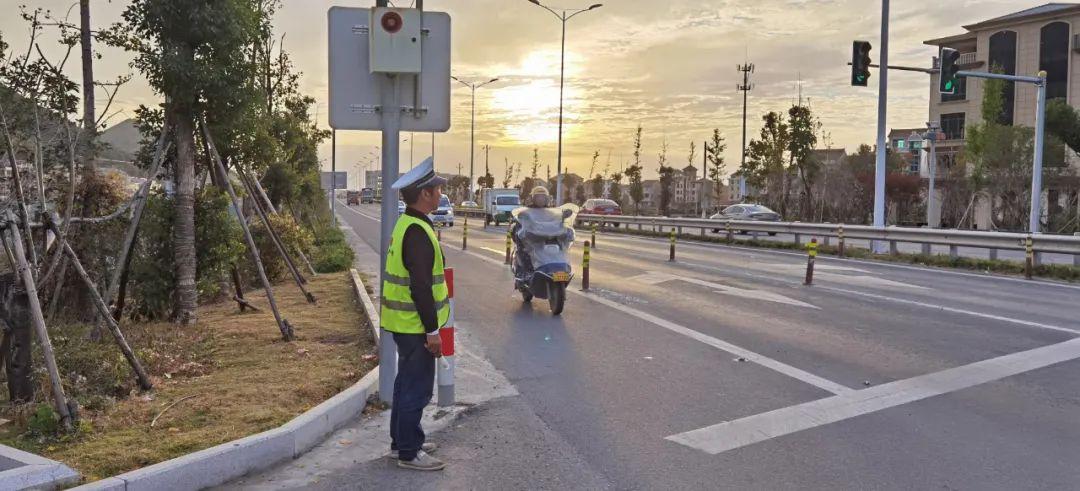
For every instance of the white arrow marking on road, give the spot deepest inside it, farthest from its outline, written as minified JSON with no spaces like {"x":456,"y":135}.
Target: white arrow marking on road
{"x":854,"y":280}
{"x":656,"y":277}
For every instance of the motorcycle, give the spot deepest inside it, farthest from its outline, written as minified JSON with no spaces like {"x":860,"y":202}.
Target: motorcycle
{"x":541,"y":263}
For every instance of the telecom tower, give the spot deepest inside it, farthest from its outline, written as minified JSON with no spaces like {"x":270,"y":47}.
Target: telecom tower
{"x":745,"y":87}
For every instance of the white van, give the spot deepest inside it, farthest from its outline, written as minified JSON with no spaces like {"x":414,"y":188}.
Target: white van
{"x":498,"y":203}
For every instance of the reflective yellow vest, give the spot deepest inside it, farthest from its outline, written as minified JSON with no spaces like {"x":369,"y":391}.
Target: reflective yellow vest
{"x":398,"y":313}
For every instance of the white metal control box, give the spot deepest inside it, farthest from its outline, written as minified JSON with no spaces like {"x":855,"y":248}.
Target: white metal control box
{"x":356,"y":93}
{"x":396,"y":40}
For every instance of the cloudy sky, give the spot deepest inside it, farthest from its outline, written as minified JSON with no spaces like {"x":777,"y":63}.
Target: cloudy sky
{"x":667,"y":65}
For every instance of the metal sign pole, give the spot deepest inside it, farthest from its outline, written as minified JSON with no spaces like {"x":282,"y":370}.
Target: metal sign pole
{"x":391,"y":117}
{"x":333,"y":175}
{"x":1040,"y":136}
{"x":1036,"y":172}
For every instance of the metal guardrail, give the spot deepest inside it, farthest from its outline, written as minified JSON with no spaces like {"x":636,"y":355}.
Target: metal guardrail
{"x":1044,"y":243}
{"x":992,"y":241}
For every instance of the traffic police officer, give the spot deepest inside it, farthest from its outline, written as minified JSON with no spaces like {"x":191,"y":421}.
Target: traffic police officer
{"x":414,"y":307}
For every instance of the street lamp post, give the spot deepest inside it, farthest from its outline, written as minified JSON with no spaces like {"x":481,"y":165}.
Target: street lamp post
{"x":472,"y":135}
{"x":563,"y":16}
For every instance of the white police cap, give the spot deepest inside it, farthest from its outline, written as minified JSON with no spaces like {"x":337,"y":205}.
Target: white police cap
{"x":421,"y":176}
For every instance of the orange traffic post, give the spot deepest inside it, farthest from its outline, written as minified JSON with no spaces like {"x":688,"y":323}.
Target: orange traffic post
{"x":445,"y":370}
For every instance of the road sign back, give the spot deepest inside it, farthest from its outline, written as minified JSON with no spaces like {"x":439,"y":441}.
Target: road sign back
{"x":355,"y":92}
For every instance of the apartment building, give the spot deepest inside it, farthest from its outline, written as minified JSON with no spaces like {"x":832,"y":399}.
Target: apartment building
{"x":1021,"y":43}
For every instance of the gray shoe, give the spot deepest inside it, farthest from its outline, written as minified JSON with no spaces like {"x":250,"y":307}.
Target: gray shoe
{"x":422,"y":462}
{"x":429,"y":447}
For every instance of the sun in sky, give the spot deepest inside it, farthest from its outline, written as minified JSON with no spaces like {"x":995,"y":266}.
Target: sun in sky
{"x":530,"y":108}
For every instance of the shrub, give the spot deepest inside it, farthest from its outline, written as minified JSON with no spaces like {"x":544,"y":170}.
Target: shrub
{"x":332,"y":253}
{"x":294,"y":237}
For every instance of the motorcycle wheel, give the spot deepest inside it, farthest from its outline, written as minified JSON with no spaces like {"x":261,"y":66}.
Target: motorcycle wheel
{"x":526,"y":296}
{"x":556,"y":297}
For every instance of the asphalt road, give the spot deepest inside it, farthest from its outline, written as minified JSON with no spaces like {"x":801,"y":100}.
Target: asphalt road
{"x":722,"y":371}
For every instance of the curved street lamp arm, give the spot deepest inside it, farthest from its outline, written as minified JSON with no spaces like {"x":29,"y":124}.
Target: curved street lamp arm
{"x":594,"y":7}
{"x":556,"y":14}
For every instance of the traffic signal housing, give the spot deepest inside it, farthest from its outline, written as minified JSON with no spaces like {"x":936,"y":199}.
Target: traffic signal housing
{"x":950,"y":65}
{"x":860,"y":63}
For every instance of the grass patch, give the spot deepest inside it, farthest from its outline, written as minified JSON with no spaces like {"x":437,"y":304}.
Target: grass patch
{"x":1062,"y":272}
{"x":234,"y":374}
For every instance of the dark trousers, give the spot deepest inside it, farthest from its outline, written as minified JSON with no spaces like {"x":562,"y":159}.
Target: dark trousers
{"x":412,"y":392}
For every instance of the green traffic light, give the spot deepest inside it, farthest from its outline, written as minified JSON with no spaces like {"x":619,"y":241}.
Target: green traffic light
{"x":949,"y":85}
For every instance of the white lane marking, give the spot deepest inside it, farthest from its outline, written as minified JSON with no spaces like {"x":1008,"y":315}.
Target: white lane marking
{"x":365,"y":215}
{"x":496,"y":251}
{"x":657,"y":277}
{"x":762,"y":360}
{"x":780,"y":422}
{"x":955,"y":310}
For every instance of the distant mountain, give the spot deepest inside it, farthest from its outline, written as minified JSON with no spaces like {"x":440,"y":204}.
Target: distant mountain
{"x":121,"y":144}
{"x":121,"y":141}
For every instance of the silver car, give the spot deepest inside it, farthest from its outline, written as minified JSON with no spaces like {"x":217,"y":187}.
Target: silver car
{"x":444,"y":215}
{"x":747,"y":212}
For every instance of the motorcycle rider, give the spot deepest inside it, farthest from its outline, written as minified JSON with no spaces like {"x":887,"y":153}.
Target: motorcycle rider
{"x":539,"y":197}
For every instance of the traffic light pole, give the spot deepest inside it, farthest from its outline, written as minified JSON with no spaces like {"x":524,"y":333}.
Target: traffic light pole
{"x":1040,"y":137}
{"x":883,"y":96}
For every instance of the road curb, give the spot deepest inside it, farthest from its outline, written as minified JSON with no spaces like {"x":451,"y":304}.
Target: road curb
{"x":231,"y":460}
{"x":24,"y":470}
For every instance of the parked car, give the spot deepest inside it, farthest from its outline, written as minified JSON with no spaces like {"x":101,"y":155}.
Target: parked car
{"x":747,"y":212}
{"x":400,"y":207}
{"x":352,"y":198}
{"x":469,"y":204}
{"x":444,"y":215}
{"x":599,"y":206}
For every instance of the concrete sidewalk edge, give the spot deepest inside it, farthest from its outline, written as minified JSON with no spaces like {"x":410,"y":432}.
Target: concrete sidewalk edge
{"x":222,"y":463}
{"x":33,"y":471}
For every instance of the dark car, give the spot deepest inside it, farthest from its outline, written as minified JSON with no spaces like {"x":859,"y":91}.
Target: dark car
{"x":747,"y":212}
{"x":598,"y":206}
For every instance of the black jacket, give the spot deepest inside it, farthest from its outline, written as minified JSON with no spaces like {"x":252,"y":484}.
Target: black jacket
{"x":418,"y":255}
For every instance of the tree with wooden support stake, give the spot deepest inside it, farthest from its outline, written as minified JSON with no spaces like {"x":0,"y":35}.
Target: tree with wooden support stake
{"x":283,"y":325}
{"x":60,"y":401}
{"x":103,"y":310}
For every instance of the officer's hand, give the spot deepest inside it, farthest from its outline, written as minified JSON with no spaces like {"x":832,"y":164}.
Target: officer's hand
{"x":434,"y":344}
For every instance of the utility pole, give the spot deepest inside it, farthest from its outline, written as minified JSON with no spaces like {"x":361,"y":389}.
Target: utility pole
{"x":745,"y":87}
{"x":883,"y":96}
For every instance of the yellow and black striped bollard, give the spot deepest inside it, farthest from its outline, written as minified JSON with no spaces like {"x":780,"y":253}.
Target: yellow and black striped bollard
{"x":594,"y":234}
{"x":585,"y":268}
{"x":465,"y":234}
{"x":811,"y":256}
{"x":840,"y":241}
{"x":508,"y":232}
{"x":671,"y":253}
{"x":1029,"y":262}
{"x":730,"y":233}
